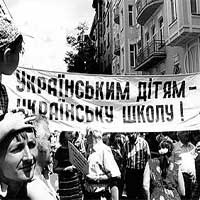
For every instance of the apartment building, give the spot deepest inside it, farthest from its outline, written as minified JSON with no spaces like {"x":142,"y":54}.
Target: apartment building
{"x":151,"y":36}
{"x":101,"y":34}
{"x":119,"y":33}
{"x":125,"y":36}
{"x":169,"y":36}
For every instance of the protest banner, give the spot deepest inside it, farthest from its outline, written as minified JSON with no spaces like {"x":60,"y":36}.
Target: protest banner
{"x":111,"y":103}
{"x":77,"y":159}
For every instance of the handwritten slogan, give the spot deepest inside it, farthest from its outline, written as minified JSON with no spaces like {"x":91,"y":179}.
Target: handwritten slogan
{"x":111,"y":103}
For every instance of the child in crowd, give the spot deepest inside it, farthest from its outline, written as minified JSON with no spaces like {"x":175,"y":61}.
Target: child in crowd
{"x":10,"y":47}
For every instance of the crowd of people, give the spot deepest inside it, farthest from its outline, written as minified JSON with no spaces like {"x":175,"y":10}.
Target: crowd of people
{"x":135,"y":166}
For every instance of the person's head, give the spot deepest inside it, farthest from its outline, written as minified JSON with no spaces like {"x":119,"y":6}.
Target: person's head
{"x":18,"y":154}
{"x":93,"y":136}
{"x":166,"y":147}
{"x":75,"y":135}
{"x":65,"y":136}
{"x":10,"y":46}
{"x":132,"y":137}
{"x":43,"y":139}
{"x":106,"y":138}
{"x":184,"y":136}
{"x":165,"y":151}
{"x":116,"y":140}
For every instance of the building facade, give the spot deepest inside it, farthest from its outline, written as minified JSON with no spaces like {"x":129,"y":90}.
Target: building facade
{"x":150,"y":36}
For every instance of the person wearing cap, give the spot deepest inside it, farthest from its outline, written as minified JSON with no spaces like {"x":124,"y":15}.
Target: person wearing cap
{"x":18,"y":158}
{"x":10,"y":47}
{"x":103,"y":173}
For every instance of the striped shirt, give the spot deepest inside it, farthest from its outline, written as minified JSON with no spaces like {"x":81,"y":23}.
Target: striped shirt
{"x":137,"y":154}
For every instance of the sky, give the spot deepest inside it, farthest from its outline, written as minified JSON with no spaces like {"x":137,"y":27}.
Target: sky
{"x":45,"y":24}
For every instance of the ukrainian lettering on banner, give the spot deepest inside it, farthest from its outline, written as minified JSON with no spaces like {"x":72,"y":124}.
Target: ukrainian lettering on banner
{"x":111,"y":103}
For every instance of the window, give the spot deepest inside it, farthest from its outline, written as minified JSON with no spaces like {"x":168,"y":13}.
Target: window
{"x":108,"y":19}
{"x":139,"y":45}
{"x":195,"y":7}
{"x":132,"y":55}
{"x":104,"y":48}
{"x":104,"y":28}
{"x":122,"y":20}
{"x":130,"y":15}
{"x":123,"y":60}
{"x":147,"y":37}
{"x":153,"y":32}
{"x":177,"y":69}
{"x":161,"y":27}
{"x":173,"y":10}
{"x":108,"y":39}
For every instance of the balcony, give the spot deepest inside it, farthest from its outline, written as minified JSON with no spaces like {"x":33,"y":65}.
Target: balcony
{"x":116,"y":14}
{"x":117,"y":47}
{"x":145,"y":9}
{"x":184,"y":30}
{"x":154,"y":52}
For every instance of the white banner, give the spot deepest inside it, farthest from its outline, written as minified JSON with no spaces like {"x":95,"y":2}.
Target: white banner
{"x":111,"y":103}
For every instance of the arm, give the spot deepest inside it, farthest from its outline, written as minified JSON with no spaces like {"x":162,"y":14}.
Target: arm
{"x":110,"y":166}
{"x":56,"y":168}
{"x":114,"y":192}
{"x":181,"y":185}
{"x":146,"y":181}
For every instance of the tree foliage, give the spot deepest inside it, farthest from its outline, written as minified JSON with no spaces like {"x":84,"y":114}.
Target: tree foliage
{"x":81,"y":58}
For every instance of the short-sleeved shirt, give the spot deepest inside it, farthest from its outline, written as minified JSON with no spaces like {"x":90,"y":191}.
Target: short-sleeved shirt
{"x":137,"y":154}
{"x":101,"y":162}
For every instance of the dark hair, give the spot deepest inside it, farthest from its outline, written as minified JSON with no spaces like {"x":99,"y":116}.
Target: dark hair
{"x":62,"y":138}
{"x":164,"y":158}
{"x":16,"y":45}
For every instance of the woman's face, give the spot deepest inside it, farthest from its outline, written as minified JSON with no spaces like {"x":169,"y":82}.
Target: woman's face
{"x":18,"y":162}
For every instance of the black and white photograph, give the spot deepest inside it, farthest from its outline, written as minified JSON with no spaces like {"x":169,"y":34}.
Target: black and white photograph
{"x":100,"y":100}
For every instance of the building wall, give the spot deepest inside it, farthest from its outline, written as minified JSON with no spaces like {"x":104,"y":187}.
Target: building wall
{"x":182,"y":57}
{"x":181,"y":34}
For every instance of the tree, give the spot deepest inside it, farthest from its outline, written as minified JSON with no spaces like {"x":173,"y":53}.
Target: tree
{"x":81,"y":58}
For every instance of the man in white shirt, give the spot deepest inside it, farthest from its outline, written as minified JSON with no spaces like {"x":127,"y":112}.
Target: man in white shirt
{"x":184,"y":154}
{"x":103,"y":169}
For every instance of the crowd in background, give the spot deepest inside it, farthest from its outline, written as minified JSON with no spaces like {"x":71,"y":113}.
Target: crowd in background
{"x":149,"y":165}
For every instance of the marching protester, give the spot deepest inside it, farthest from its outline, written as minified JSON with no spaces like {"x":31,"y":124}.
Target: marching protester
{"x":102,"y":179}
{"x":196,"y":189}
{"x":10,"y":47}
{"x":184,"y":152}
{"x":68,"y":177}
{"x":44,"y":158}
{"x":118,"y":150}
{"x":18,"y":157}
{"x":162,"y":176}
{"x":78,"y":141}
{"x":137,"y":155}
